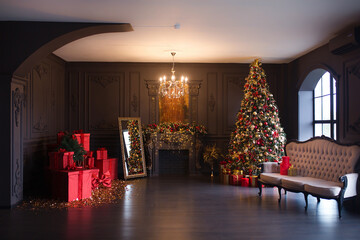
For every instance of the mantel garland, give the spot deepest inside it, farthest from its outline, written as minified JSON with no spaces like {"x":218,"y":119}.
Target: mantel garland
{"x":175,"y":132}
{"x":134,"y":163}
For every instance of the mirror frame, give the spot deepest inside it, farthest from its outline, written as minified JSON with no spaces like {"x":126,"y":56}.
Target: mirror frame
{"x":126,"y":173}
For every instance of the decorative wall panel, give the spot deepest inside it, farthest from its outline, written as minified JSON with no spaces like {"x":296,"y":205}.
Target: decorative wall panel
{"x":104,"y":103}
{"x":134,"y":94}
{"x":352,"y":101}
{"x":40,"y":99}
{"x":18,"y":100}
{"x":212,"y":103}
{"x":233,"y":94}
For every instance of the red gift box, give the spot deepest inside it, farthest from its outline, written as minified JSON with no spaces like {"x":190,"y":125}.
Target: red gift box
{"x":107,"y":165}
{"x":89,"y":162}
{"x":253,"y":181}
{"x":70,"y":185}
{"x":235,"y":180}
{"x":244,"y":182}
{"x":84,"y":140}
{"x":285,"y":165}
{"x":60,"y":136}
{"x":61,"y":160}
{"x":101,"y":153}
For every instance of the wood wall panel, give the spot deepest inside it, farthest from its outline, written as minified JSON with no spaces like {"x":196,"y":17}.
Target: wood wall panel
{"x":73,"y":101}
{"x":104,"y":103}
{"x":352,"y":100}
{"x":212,"y":103}
{"x":134,"y":94}
{"x":40,"y":99}
{"x":233,"y":94}
{"x":43,"y":116}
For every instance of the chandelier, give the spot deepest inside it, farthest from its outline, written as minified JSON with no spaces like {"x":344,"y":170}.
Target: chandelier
{"x":173,"y":88}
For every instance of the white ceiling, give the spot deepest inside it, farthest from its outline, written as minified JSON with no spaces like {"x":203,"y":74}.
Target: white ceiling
{"x":221,"y":31}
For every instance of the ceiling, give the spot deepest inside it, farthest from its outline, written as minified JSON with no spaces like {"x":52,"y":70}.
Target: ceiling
{"x":200,"y":31}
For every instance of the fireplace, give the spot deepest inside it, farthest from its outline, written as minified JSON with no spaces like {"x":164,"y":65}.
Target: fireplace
{"x":173,"y":162}
{"x":173,"y":158}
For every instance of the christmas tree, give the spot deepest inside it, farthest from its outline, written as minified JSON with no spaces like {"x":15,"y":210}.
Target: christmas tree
{"x":258,"y":136}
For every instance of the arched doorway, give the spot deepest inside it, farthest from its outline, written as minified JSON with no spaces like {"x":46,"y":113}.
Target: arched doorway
{"x":26,"y":44}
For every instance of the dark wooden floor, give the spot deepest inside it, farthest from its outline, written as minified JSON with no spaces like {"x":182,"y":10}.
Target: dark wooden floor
{"x":184,"y":207}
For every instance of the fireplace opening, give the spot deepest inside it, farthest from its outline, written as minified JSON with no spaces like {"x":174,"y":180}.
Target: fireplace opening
{"x":173,"y":162}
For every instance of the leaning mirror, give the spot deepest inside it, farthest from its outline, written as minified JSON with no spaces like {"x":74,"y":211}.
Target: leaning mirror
{"x":132,"y":148}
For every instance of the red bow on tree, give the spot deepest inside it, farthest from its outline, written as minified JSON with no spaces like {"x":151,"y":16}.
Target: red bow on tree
{"x":104,"y":180}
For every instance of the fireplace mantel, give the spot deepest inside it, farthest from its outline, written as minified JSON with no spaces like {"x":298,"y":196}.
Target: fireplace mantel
{"x":169,"y":141}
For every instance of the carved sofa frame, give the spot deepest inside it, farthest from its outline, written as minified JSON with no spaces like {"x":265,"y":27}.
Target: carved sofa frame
{"x":326,"y":169}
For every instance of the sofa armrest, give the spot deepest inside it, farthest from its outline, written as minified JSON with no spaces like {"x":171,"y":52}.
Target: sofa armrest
{"x":270,"y":167}
{"x":351,"y":184}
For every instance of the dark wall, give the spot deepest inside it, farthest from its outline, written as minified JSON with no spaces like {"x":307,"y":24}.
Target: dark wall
{"x":91,"y":96}
{"x":98,"y":93}
{"x":346,"y":70}
{"x":43,"y":116}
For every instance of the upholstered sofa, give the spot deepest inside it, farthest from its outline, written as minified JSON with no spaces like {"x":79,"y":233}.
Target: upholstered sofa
{"x":325,"y":169}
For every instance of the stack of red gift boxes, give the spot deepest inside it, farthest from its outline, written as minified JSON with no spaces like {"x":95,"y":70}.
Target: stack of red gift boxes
{"x":237,"y":178}
{"x":70,"y":182}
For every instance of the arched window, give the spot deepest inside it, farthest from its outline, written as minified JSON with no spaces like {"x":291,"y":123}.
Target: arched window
{"x":325,"y":106}
{"x":317,"y":105}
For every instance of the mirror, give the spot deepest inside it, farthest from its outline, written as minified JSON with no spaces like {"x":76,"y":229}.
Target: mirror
{"x":132,"y":148}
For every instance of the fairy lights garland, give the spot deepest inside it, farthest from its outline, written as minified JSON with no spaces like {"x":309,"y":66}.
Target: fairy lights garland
{"x":174,"y":132}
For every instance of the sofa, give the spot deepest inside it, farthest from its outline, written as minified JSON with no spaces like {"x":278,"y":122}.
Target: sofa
{"x":325,"y":169}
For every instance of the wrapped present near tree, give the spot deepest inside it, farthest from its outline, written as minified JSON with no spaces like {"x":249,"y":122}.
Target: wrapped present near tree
{"x":61,"y":160}
{"x":83,"y":139}
{"x":70,"y":185}
{"x":284,"y":166}
{"x":101,"y":154}
{"x":108,"y":165}
{"x":253,"y":181}
{"x":292,"y":171}
{"x":244,"y":182}
{"x":235,"y":179}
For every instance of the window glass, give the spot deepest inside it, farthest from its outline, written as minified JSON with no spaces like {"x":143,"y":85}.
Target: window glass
{"x":318,"y":129}
{"x":326,"y":108}
{"x":326,"y":84}
{"x":334,"y":106}
{"x":318,"y":108}
{"x":317,"y":92}
{"x":326,"y":130}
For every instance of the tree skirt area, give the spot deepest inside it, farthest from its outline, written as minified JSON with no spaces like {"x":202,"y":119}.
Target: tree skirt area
{"x":100,"y":196}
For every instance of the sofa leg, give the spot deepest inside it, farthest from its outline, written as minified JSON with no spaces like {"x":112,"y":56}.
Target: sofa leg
{"x":260,"y":189}
{"x":340,"y":204}
{"x":306,"y":200}
{"x":279,"y":190}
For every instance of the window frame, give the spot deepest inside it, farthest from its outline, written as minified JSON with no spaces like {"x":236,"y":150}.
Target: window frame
{"x":332,"y":121}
